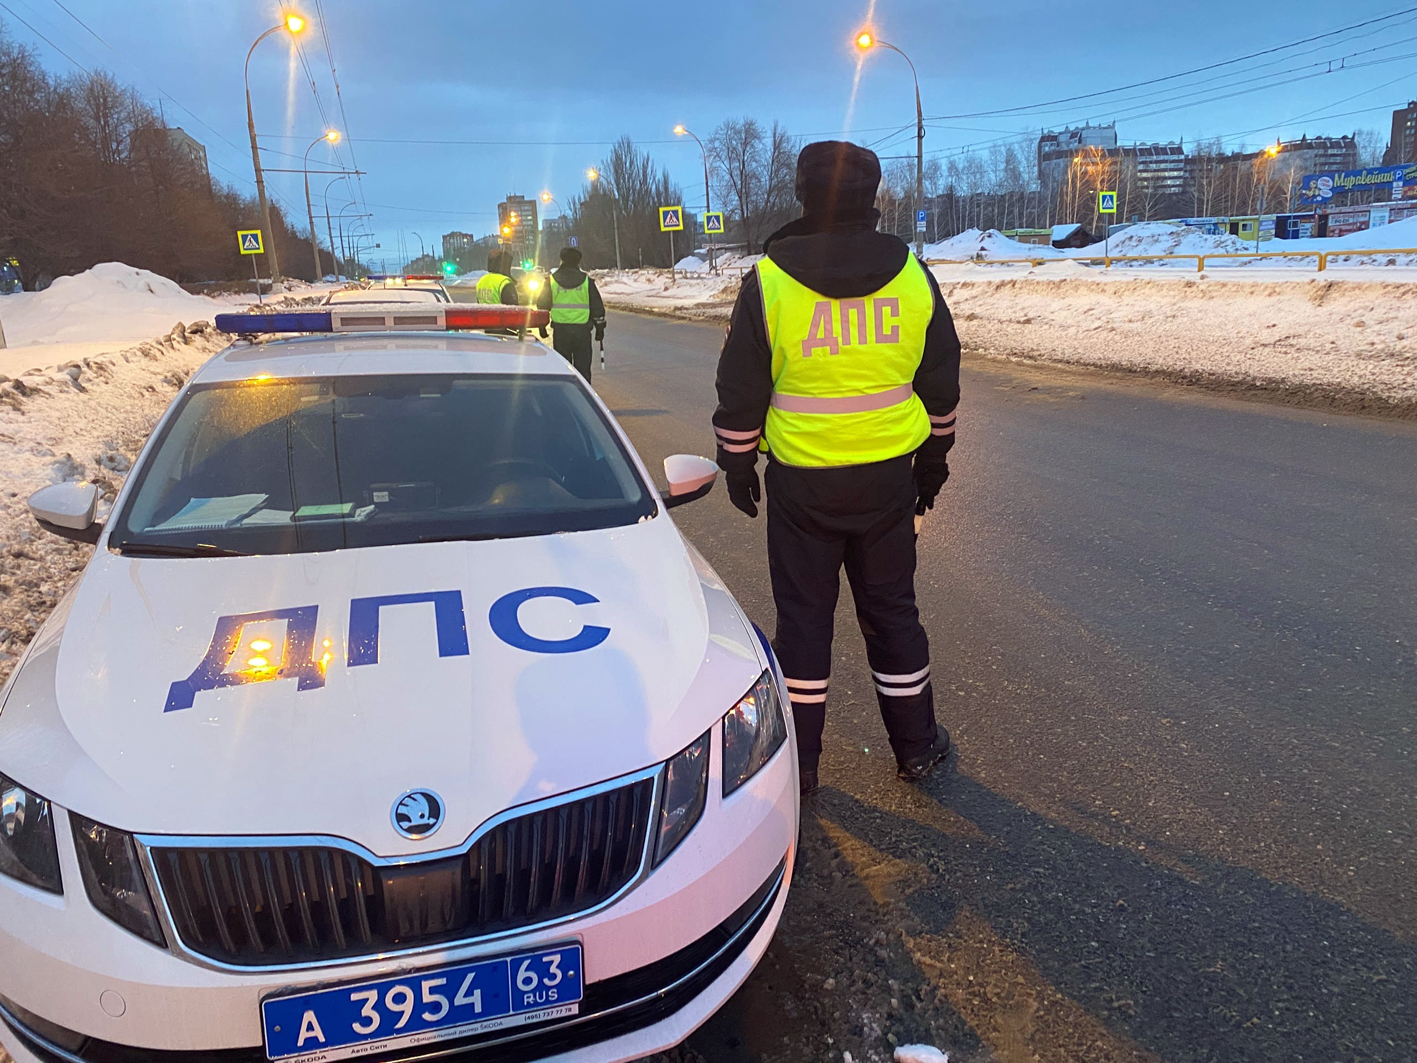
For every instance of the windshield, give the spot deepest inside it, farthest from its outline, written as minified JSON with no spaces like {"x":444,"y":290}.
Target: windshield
{"x":387,"y":295}
{"x":289,"y":466}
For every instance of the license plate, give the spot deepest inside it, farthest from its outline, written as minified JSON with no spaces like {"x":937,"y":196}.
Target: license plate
{"x":424,"y":1006}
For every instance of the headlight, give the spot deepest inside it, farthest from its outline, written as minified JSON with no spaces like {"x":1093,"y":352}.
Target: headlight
{"x":752,"y":733}
{"x":113,"y":878}
{"x":27,"y":849}
{"x":685,"y":789}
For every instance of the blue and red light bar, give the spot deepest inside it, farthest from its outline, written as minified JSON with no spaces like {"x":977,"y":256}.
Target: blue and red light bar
{"x":406,"y":317}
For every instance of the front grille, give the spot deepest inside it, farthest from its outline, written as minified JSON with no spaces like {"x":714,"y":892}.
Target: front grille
{"x":611,"y":1008}
{"x":267,"y":906}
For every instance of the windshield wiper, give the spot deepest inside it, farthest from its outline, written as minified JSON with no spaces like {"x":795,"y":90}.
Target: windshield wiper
{"x":173,"y":550}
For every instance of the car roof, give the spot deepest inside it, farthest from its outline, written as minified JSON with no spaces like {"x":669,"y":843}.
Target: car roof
{"x":373,"y":353}
{"x":398,"y":294}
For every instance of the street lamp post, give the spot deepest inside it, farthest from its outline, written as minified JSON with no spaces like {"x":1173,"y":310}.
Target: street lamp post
{"x":421,"y":252}
{"x":595,"y":175}
{"x":680,"y":130}
{"x":344,"y":253}
{"x":866,"y":41}
{"x":330,"y":229}
{"x":330,"y":136}
{"x":293,"y":24}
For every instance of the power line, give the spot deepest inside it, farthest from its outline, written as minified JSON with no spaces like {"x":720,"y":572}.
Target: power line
{"x":1184,"y":73}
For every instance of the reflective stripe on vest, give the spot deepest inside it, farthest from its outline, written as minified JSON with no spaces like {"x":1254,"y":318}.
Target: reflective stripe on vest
{"x":843,"y":369}
{"x":570,"y":306}
{"x":489,"y":287}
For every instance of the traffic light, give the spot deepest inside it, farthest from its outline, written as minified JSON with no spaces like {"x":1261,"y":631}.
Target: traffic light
{"x":528,"y":263}
{"x":449,"y":268}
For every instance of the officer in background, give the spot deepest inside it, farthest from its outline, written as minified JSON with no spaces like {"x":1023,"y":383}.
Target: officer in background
{"x":497,"y":286}
{"x":842,"y":364}
{"x":576,"y":310}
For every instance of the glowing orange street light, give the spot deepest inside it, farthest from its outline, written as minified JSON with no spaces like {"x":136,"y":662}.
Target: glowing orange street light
{"x":865,"y":40}
{"x":294,"y":22}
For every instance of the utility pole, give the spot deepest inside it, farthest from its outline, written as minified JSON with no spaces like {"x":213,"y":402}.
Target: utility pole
{"x":293,"y":24}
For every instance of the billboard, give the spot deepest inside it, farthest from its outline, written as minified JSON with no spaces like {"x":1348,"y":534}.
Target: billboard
{"x":1320,"y":188}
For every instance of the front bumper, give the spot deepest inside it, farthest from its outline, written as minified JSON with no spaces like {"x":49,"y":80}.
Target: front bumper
{"x":659,"y":961}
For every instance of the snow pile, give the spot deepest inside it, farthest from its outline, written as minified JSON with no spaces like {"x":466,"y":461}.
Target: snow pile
{"x":110,"y":303}
{"x":991,"y":244}
{"x":466,"y":280}
{"x":697,"y":295}
{"x":1345,"y":341}
{"x":86,"y":420}
{"x":1167,"y":238}
{"x":920,"y":1054}
{"x":731,"y":260}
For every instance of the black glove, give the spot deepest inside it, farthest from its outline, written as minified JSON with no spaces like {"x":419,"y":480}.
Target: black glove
{"x":930,"y":475}
{"x":600,"y":332}
{"x":744,"y":490}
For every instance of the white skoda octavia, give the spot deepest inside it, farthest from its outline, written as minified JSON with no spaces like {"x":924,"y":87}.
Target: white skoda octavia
{"x":392,"y":718}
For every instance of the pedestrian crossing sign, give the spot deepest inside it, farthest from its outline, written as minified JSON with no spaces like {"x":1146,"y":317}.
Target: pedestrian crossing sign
{"x":713,"y":221}
{"x":1106,"y":202}
{"x":249,"y":241}
{"x":671,"y":219}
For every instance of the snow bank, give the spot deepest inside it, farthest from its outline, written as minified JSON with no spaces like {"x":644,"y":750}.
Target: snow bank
{"x":110,"y":303}
{"x":701,"y":294}
{"x":920,"y":1054}
{"x":85,"y":420}
{"x":1346,"y":341}
{"x":972,"y":243}
{"x":1167,"y":238}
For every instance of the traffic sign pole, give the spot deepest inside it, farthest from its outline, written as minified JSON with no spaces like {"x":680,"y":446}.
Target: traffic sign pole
{"x":257,"y":274}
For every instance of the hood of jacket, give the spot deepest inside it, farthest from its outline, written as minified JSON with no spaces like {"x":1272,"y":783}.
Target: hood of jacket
{"x":569,"y":276}
{"x":842,"y":257}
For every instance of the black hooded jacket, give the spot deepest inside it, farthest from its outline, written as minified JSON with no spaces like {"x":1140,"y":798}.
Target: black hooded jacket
{"x":843,"y":259}
{"x":571,"y":277}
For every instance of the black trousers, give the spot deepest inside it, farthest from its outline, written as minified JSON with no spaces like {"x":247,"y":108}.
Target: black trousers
{"x":863,"y":518}
{"x":573,"y":342}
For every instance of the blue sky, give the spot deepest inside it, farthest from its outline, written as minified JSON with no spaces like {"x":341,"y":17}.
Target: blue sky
{"x":545,"y":95}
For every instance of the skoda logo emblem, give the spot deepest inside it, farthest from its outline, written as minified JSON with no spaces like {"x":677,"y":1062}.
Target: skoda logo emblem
{"x":418,"y":813}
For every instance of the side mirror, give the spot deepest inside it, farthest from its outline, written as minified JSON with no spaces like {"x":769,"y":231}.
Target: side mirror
{"x":67,"y":509}
{"x":690,"y":478}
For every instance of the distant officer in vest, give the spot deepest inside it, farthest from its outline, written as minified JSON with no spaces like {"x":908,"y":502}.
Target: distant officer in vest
{"x":497,"y":286}
{"x":576,"y":311}
{"x":842,"y":365}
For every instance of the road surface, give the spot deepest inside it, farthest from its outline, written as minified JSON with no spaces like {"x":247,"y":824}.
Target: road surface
{"x":1172,"y":635}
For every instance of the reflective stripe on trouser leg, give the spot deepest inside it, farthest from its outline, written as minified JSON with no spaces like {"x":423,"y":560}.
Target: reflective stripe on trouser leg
{"x":880,"y":566}
{"x":805,"y":566}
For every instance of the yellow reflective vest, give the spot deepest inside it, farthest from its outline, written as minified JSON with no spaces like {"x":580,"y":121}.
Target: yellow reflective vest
{"x":570,"y":306}
{"x":489,"y":287}
{"x":843,"y":370}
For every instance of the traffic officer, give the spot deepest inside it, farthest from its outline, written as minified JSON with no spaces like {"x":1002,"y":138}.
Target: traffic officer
{"x":496,"y":285}
{"x":576,"y":309}
{"x":842,"y":364}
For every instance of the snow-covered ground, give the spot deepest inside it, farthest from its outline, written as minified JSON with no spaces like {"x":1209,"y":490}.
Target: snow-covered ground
{"x":99,"y":310}
{"x":1165,"y":238}
{"x":699,"y":294}
{"x":81,"y":386}
{"x":1348,"y":335}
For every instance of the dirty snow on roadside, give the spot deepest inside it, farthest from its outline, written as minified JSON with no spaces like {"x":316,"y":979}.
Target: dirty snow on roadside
{"x":1347,"y":336}
{"x":84,"y":417}
{"x":1356,"y":342}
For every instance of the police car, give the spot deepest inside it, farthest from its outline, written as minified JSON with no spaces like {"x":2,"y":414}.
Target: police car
{"x":392,"y":718}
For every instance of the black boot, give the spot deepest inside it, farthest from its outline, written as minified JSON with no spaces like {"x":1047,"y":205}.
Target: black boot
{"x":808,"y":780}
{"x":913,"y":769}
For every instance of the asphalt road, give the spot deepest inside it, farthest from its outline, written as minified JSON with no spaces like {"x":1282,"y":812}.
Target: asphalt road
{"x":1173,"y":637}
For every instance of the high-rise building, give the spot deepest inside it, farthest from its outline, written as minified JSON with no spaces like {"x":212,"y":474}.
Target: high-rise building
{"x":520,"y":214}
{"x":456,"y":245}
{"x":1402,"y":146}
{"x":1056,"y":150}
{"x":1160,"y":168}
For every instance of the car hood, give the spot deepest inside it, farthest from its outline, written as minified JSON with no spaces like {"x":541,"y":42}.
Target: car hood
{"x":609,"y":652}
